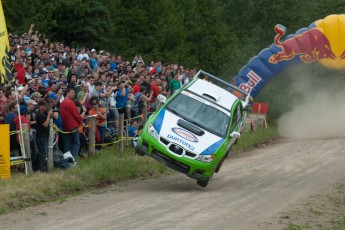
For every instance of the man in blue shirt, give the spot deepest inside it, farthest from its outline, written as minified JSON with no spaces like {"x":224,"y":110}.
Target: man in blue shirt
{"x":121,"y":97}
{"x":133,"y":132}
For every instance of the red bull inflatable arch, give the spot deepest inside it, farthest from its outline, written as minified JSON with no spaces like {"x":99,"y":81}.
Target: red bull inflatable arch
{"x":322,"y":41}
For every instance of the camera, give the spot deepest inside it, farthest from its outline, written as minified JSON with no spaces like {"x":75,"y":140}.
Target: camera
{"x":55,"y":110}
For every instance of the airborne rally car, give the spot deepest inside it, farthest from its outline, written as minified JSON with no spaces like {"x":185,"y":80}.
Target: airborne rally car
{"x":194,"y":130}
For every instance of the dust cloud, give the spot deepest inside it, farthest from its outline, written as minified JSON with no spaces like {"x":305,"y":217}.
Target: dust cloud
{"x":320,"y":109}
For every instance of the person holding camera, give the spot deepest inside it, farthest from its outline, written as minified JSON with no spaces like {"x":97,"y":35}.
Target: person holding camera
{"x":121,"y":97}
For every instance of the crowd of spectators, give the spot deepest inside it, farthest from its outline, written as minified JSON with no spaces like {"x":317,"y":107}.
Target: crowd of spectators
{"x":68,"y":84}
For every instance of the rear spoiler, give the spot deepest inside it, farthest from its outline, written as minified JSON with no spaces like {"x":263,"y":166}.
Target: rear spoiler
{"x":246,"y":96}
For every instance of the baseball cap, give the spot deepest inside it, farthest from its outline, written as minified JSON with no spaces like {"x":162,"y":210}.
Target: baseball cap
{"x":53,"y":96}
{"x":36,"y":94}
{"x":20,"y":88}
{"x":31,"y":102}
{"x":23,"y":109}
{"x":45,"y":70}
{"x":93,"y":50}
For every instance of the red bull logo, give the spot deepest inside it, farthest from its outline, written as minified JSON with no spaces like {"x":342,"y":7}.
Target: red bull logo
{"x":311,"y":45}
{"x":254,"y":79}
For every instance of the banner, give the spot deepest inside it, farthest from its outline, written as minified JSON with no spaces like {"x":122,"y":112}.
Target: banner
{"x":5,"y":64}
{"x":5,"y":170}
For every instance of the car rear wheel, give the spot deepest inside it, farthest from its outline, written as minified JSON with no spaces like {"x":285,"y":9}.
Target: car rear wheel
{"x":202,"y":183}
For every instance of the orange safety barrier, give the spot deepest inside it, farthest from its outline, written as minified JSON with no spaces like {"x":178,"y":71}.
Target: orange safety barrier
{"x":260,"y":108}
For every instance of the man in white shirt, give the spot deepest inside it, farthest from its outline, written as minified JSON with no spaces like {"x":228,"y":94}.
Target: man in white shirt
{"x":82,"y":55}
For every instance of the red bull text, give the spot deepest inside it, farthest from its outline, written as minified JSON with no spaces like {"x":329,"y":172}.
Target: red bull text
{"x":254,"y":79}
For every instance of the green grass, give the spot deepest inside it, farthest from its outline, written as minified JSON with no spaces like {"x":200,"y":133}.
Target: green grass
{"x":325,"y":210}
{"x":106,"y":168}
{"x":251,"y":140}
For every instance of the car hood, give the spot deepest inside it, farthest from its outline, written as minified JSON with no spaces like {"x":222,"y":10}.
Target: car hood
{"x":166,"y":124}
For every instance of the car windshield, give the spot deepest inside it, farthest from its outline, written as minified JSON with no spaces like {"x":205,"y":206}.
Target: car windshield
{"x":203,"y":115}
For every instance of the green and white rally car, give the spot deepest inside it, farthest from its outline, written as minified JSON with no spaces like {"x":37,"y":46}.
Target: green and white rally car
{"x":195,"y":128}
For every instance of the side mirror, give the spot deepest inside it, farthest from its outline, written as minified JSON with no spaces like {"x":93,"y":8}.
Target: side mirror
{"x":162,"y":99}
{"x":235,"y":134}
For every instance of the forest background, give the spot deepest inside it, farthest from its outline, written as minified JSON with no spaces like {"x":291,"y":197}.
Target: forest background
{"x":218,"y":36}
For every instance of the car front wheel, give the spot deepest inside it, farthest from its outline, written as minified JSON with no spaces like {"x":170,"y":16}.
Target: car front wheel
{"x":202,"y":183}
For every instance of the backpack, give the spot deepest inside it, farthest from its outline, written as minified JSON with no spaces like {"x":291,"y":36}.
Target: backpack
{"x":138,"y":102}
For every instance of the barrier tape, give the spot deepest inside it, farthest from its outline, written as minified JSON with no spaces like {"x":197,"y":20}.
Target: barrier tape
{"x":17,"y":131}
{"x":110,"y":143}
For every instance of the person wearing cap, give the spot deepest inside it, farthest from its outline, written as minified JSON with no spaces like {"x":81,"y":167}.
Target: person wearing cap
{"x":42,"y":134}
{"x":37,"y":97}
{"x":71,"y":121}
{"x":101,"y":118}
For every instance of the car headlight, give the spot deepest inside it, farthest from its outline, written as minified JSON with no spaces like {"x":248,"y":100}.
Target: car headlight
{"x":152,"y":131}
{"x":205,"y":158}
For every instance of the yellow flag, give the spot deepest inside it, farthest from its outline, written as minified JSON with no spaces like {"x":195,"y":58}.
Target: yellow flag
{"x":5,"y":168}
{"x":5,"y":64}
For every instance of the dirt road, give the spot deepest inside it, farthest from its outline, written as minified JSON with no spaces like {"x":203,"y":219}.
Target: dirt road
{"x":248,"y":193}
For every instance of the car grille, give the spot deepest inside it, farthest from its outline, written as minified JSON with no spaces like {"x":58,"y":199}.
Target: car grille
{"x":176,"y":149}
{"x":170,"y":162}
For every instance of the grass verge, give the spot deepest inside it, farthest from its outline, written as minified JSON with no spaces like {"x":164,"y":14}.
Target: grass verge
{"x":104,"y":169}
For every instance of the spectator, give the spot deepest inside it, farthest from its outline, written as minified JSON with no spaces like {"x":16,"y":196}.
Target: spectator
{"x":139,"y":98}
{"x":31,"y":114}
{"x":82,"y":55}
{"x":136,"y":87}
{"x":133,"y":132}
{"x":71,"y":121}
{"x":101,"y":117}
{"x":84,"y":94}
{"x":9,"y":119}
{"x":175,"y":84}
{"x":42,"y":135}
{"x":121,"y":97}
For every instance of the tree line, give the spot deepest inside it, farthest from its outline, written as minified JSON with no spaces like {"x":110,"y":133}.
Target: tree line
{"x":219,"y":36}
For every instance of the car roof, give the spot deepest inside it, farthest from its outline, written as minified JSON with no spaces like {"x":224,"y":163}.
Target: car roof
{"x":211,"y":91}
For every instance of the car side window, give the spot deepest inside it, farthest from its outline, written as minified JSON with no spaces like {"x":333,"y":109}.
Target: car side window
{"x":236,"y":118}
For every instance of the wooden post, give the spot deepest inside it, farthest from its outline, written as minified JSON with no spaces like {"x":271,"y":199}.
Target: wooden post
{"x":26,"y":137}
{"x":126,"y":132}
{"x":120,"y":132}
{"x":129,"y":117}
{"x":144,"y":112}
{"x":92,"y":136}
{"x":50,"y":161}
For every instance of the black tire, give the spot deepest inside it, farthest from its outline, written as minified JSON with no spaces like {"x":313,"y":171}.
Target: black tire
{"x":202,"y":183}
